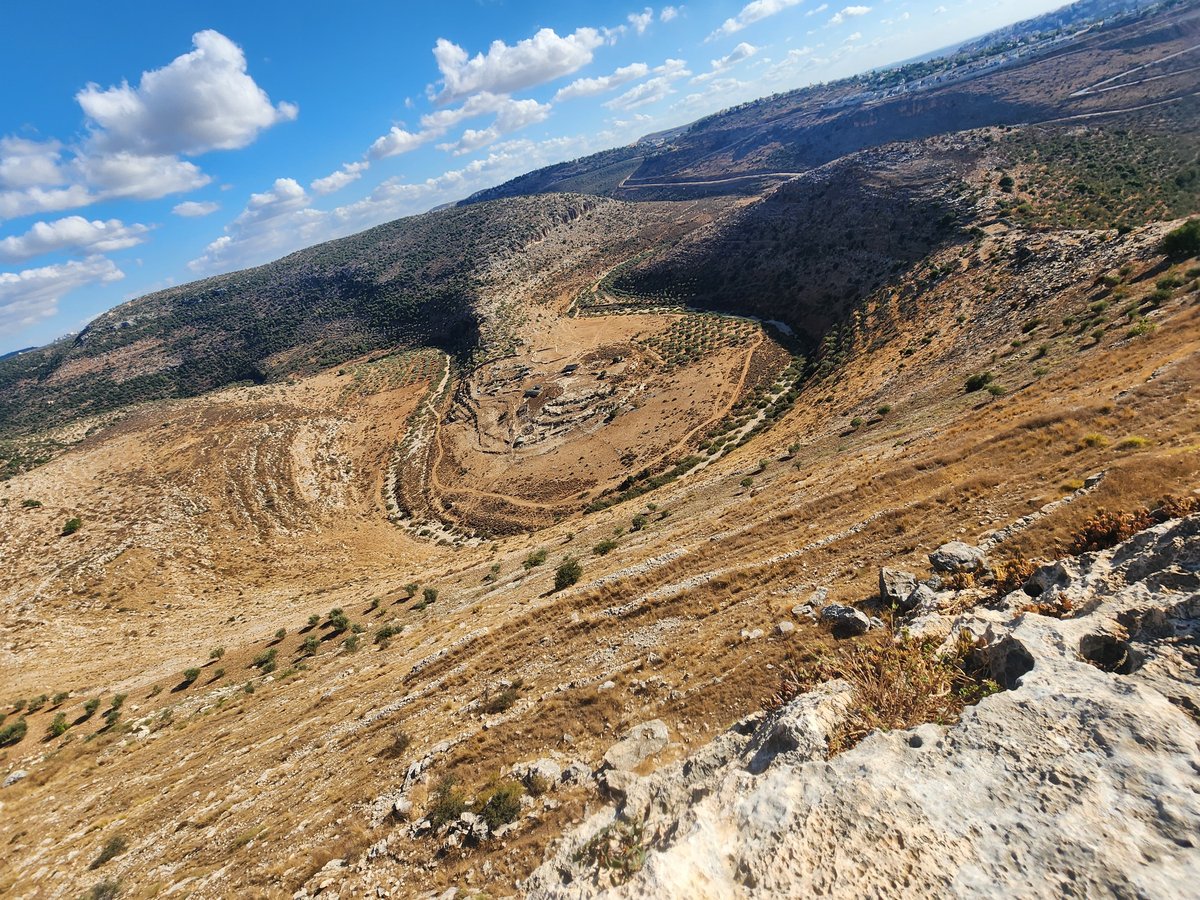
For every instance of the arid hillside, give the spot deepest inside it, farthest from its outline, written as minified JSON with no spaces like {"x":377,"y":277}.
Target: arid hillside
{"x":405,"y":614}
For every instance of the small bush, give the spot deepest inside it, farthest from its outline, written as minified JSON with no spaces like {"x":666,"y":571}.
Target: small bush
{"x":280,"y":634}
{"x":115,"y":847}
{"x":190,"y":675}
{"x":505,"y":699}
{"x":1183,"y":242}
{"x":311,"y":644}
{"x":37,"y":702}
{"x":856,"y":422}
{"x":639,"y":522}
{"x":13,"y":732}
{"x":605,"y":547}
{"x":978,"y":382}
{"x":351,"y":643}
{"x":446,"y":803}
{"x":265,"y":661}
{"x":113,"y":713}
{"x":501,"y":804}
{"x":314,"y":620}
{"x":1095,"y":440}
{"x":59,"y":698}
{"x":1133,"y":442}
{"x":884,"y":409}
{"x":387,"y":632}
{"x":619,"y":849}
{"x":411,"y":589}
{"x":72,"y":525}
{"x":31,"y":504}
{"x":216,"y":652}
{"x":1141,"y":327}
{"x":568,"y":573}
{"x":400,"y":743}
{"x":218,"y":674}
{"x":429,"y":595}
{"x":747,"y":482}
{"x":534,"y":559}
{"x":104,"y":890}
{"x":90,"y":707}
{"x":338,"y":621}
{"x":59,"y":726}
{"x":996,"y":390}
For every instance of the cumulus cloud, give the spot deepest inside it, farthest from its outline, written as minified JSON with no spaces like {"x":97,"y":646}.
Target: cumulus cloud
{"x":25,"y":163}
{"x":511,"y":115}
{"x":130,"y":175}
{"x":273,"y":223}
{"x":588,"y":87}
{"x":849,"y":12}
{"x":335,"y":181}
{"x":193,"y":209}
{"x":751,"y":13}
{"x":817,"y":10}
{"x":653,"y":89}
{"x":74,"y":233}
{"x":669,"y":13}
{"x":395,"y":142}
{"x":504,"y":69}
{"x":641,"y":21}
{"x":742,"y":51}
{"x":203,"y":100}
{"x":32,"y":295}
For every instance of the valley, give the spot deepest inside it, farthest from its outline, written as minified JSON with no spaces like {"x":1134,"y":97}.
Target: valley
{"x":384,"y":548}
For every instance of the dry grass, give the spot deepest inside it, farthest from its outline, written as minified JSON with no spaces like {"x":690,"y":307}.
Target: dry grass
{"x":898,"y":682}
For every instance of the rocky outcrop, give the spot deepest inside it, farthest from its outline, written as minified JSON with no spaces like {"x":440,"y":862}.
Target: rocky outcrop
{"x":1080,"y":779}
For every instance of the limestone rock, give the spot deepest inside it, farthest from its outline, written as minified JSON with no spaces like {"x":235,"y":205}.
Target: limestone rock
{"x":895,"y":586}
{"x":640,"y":743}
{"x":1079,"y":779}
{"x":957,"y":557}
{"x":14,"y":777}
{"x":846,"y":621}
{"x":784,"y":628}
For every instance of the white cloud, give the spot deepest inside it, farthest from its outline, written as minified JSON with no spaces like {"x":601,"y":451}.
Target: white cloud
{"x":669,"y":13}
{"x":857,"y":36}
{"x":203,"y":100}
{"x":817,"y":10}
{"x":191,"y":209}
{"x":72,"y":233}
{"x":742,"y":51}
{"x":125,"y":174}
{"x":25,"y":163}
{"x":14,"y":204}
{"x":395,"y":142}
{"x":654,"y":89}
{"x":641,"y":21}
{"x":335,"y":181}
{"x":511,"y":115}
{"x":849,"y":12}
{"x":587,"y":87}
{"x":504,"y":69}
{"x":31,"y":296}
{"x":751,"y":13}
{"x":273,"y":223}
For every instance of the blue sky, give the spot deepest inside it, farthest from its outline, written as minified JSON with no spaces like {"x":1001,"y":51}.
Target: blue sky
{"x":145,"y":144}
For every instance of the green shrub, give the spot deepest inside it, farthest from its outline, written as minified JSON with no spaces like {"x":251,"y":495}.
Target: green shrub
{"x":856,"y":422}
{"x":280,"y":634}
{"x":605,"y":547}
{"x":59,"y":698}
{"x":265,"y":661}
{"x":446,"y":803}
{"x":995,"y":390}
{"x":13,"y":732}
{"x":1183,"y":242}
{"x":216,"y":652}
{"x":534,"y":559}
{"x":639,"y":522}
{"x":59,"y":726}
{"x":90,"y":707}
{"x":311,"y":644}
{"x":569,"y":572}
{"x":338,"y":620}
{"x":501,"y":804}
{"x":314,"y":620}
{"x":31,"y":504}
{"x":190,"y":675}
{"x":505,"y":699}
{"x":37,"y":702}
{"x":429,"y":595}
{"x":387,"y":632}
{"x":978,"y":382}
{"x":72,"y":525}
{"x":884,"y":410}
{"x":351,"y":643}
{"x":411,"y":589}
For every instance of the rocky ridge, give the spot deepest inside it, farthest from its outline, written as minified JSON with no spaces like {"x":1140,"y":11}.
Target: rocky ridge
{"x":1079,"y":779}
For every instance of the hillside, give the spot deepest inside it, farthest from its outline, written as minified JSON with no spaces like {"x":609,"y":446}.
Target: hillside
{"x":416,"y":282}
{"x":835,"y":535}
{"x":1026,"y":74}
